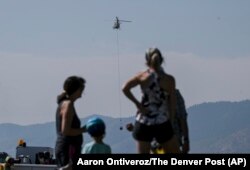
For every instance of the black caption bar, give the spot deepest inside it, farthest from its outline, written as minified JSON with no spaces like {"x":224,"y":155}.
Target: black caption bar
{"x":162,"y":161}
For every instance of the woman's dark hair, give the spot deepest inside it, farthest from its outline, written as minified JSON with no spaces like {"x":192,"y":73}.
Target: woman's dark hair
{"x":71,"y":85}
{"x":150,"y":52}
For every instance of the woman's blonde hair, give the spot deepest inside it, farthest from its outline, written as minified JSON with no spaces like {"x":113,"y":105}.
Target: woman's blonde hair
{"x":150,"y":52}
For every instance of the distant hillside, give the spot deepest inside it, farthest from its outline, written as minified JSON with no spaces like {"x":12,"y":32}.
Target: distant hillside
{"x":45,"y":135}
{"x":219,"y":127}
{"x":34,"y":135}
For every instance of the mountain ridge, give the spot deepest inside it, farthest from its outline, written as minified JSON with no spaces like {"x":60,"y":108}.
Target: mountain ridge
{"x":222,"y":127}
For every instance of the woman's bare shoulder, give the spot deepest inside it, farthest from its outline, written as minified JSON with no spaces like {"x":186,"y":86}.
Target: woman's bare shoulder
{"x":170,"y":77}
{"x":67,"y":104}
{"x":140,"y":74}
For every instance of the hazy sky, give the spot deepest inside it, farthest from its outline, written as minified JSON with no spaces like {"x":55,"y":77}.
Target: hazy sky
{"x":206,"y":46}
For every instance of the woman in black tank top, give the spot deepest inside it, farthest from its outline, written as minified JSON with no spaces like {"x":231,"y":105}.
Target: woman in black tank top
{"x":68,"y":126}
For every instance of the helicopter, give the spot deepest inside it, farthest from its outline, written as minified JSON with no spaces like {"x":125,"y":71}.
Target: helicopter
{"x":117,"y":23}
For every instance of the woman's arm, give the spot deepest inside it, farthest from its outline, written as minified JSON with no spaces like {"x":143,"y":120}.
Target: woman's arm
{"x":67,"y":112}
{"x":131,"y":83}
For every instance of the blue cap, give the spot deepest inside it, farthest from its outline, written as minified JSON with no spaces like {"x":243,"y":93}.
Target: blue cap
{"x":95,"y":126}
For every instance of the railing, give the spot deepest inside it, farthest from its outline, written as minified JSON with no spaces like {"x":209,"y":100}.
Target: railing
{"x":33,"y":167}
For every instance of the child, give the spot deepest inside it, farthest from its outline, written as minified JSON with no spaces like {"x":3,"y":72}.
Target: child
{"x":96,"y":129}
